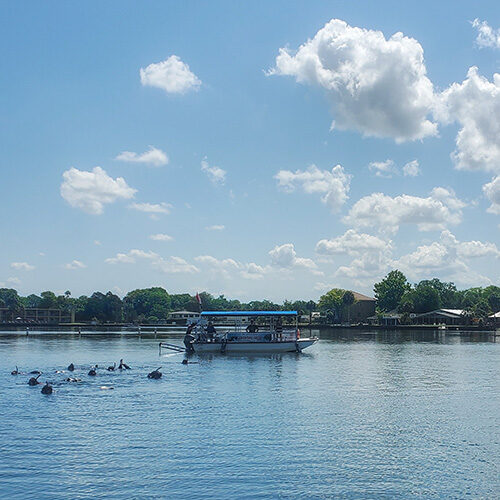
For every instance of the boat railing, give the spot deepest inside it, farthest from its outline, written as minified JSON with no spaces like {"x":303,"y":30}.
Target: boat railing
{"x":267,"y":335}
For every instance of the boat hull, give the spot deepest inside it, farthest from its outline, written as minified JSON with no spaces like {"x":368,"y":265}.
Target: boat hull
{"x":285,"y":346}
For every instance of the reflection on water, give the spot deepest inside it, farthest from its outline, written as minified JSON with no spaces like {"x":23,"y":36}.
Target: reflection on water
{"x":361,"y":414}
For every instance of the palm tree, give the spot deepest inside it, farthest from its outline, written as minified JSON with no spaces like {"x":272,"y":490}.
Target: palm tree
{"x":347,"y":301}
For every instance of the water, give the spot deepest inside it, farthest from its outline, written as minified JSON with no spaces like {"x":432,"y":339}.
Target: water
{"x":355,"y":416}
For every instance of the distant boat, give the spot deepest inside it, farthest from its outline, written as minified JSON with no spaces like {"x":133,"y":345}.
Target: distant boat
{"x":248,"y":331}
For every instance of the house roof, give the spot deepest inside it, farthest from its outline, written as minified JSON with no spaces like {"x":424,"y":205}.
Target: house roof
{"x":184,"y":312}
{"x":360,"y":296}
{"x":449,"y":313}
{"x":249,"y":313}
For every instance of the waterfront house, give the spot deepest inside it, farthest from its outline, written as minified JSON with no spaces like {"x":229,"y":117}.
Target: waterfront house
{"x":441,"y":317}
{"x":392,"y":318}
{"x":36,"y":315}
{"x":183,"y":317}
{"x":362,"y":309}
{"x":495,"y":318}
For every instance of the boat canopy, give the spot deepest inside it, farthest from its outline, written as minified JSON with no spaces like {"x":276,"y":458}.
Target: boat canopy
{"x":249,"y":313}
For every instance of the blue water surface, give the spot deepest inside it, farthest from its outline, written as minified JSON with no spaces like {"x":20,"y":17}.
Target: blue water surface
{"x":355,"y":416}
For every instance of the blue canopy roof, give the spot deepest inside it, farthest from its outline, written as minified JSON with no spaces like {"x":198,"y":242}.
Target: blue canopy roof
{"x":249,"y":313}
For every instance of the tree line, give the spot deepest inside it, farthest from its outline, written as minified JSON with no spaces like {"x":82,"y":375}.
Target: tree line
{"x":152,"y":305}
{"x":146,"y":305}
{"x":395,"y":293}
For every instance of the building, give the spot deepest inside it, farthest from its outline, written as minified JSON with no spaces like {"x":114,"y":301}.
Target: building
{"x":361,"y":310}
{"x":495,"y":318}
{"x":34,"y":315}
{"x":183,"y":317}
{"x":441,"y":317}
{"x":392,"y":318}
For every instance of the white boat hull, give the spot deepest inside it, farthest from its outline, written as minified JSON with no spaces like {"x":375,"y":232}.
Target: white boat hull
{"x":285,"y":346}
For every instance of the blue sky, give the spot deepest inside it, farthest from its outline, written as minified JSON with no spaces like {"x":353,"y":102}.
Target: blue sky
{"x":247,"y":202}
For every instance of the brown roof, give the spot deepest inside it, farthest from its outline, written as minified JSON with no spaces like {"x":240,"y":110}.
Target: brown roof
{"x":360,"y":296}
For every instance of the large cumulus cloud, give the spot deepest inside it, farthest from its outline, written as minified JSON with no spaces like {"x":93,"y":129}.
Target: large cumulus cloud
{"x":377,"y":86}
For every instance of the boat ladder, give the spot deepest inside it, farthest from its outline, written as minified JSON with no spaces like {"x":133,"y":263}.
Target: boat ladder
{"x":171,"y":347}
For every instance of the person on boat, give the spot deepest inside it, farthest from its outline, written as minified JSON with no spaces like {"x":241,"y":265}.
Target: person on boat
{"x":189,"y":338}
{"x":252,"y":327}
{"x":278,"y":330}
{"x":211,"y":331}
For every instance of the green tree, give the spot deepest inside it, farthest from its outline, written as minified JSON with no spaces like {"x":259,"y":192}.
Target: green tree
{"x":263,"y":305}
{"x":425,"y":298}
{"x":447,"y":291}
{"x":390,"y":290}
{"x":49,"y":300}
{"x":9,"y":298}
{"x":32,"y":301}
{"x":147,"y":302}
{"x":183,"y":302}
{"x":492,"y":295}
{"x":331,"y":302}
{"x":347,"y":301}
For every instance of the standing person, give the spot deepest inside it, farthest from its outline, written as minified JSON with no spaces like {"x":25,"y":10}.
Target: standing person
{"x":189,"y":338}
{"x":211,"y":331}
{"x":278,"y":329}
{"x":252,"y":327}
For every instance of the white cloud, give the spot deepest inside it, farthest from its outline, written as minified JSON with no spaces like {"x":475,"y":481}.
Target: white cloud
{"x":352,"y":243}
{"x":214,"y":262}
{"x":152,"y":156}
{"x":366,"y":268}
{"x":475,"y":105}
{"x":172,"y":75}
{"x":446,"y":257}
{"x":160,"y":237}
{"x":230,"y":268}
{"x":427,"y":259}
{"x":119,"y":291}
{"x":372,"y":256}
{"x":120,"y":258}
{"x":383,"y":168}
{"x":97,"y":243}
{"x":216,"y":227}
{"x":386,"y":169}
{"x":131,"y":256}
{"x":486,"y":35}
{"x":152,"y":208}
{"x":285,"y":256}
{"x":14,"y":280}
{"x":469,"y":249}
{"x":75,"y":264}
{"x":90,"y":191}
{"x":492,"y":192}
{"x":321,"y":286}
{"x":175,"y":265}
{"x":334,"y":185}
{"x":170,"y":265}
{"x":216,"y":174}
{"x":378,"y":210}
{"x":376,"y":86}
{"x":22,"y":266}
{"x":411,"y":169}
{"x":253,"y":271}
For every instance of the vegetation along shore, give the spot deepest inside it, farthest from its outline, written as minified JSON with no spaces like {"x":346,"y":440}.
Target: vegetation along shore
{"x":394,"y":298}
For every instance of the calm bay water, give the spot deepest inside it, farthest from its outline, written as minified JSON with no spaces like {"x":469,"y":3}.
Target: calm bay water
{"x":357,"y":416}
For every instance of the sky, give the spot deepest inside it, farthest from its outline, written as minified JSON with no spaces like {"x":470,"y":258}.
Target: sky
{"x":253,"y":149}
